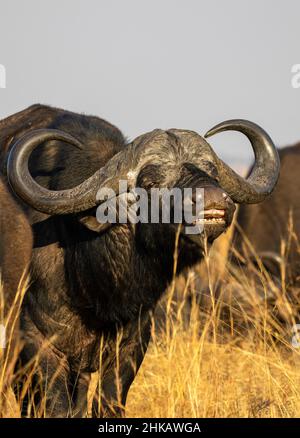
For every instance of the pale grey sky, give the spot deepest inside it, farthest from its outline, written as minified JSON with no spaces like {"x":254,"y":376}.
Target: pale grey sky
{"x":157,"y":63}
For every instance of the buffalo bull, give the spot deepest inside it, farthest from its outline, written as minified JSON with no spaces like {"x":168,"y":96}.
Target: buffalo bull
{"x":15,"y":254}
{"x":93,"y":287}
{"x":267,"y":237}
{"x":15,"y":244}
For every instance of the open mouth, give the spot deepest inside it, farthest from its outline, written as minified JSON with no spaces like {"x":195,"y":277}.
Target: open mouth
{"x":211,"y":217}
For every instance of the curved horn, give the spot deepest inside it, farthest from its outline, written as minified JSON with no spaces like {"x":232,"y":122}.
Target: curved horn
{"x":79,"y":198}
{"x":265,"y":172}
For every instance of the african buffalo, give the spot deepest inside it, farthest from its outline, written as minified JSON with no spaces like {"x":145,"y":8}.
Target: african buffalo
{"x":270,"y":223}
{"x":15,"y":254}
{"x":267,"y":235}
{"x":15,"y":245}
{"x":93,"y":288}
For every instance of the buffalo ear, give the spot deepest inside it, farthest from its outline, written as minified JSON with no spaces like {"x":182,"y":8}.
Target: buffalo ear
{"x":92,"y":224}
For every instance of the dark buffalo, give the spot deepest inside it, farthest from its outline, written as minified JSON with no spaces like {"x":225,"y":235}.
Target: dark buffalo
{"x":93,"y":288}
{"x":15,"y":244}
{"x":267,"y":236}
{"x":15,"y":254}
{"x":270,"y":223}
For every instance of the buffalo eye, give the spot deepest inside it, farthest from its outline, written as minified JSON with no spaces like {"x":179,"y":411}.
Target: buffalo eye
{"x":149,"y":176}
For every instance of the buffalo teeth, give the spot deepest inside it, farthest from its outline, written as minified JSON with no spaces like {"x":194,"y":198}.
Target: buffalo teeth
{"x":214,"y":220}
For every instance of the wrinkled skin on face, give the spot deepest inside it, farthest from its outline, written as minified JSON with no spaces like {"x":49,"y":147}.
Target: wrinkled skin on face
{"x":215,"y":218}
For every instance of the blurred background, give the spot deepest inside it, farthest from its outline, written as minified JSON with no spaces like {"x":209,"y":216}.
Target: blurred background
{"x":157,"y":64}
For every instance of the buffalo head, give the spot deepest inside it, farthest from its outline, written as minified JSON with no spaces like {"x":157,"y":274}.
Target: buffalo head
{"x":160,"y":159}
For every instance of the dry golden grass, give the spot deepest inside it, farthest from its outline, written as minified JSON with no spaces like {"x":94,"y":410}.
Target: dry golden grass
{"x":189,"y":374}
{"x":192,"y":377}
{"x":202,"y":364}
{"x":243,"y":366}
